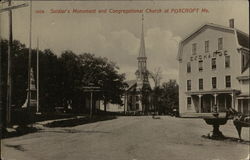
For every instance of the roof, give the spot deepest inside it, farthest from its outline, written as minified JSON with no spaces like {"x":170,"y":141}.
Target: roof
{"x":142,"y":52}
{"x":242,"y":38}
{"x":131,"y":83}
{"x":245,"y":75}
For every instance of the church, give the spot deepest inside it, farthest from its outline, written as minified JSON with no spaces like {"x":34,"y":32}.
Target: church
{"x":137,"y":96}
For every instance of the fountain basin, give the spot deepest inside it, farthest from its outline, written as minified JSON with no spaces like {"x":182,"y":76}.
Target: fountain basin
{"x":216,"y":121}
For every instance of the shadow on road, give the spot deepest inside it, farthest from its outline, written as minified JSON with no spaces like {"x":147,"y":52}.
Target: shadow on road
{"x":229,"y":139}
{"x":73,"y":131}
{"x":17,"y":147}
{"x":78,"y":121}
{"x":19,"y":131}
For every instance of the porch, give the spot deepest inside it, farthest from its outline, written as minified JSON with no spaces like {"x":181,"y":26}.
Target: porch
{"x":244,"y":103}
{"x":204,"y":101}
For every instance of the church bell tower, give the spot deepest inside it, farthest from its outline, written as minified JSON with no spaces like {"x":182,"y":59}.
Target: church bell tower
{"x":142,"y":72}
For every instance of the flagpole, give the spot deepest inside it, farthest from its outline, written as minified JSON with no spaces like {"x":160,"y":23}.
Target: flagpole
{"x":37,"y":76}
{"x":29,"y":63}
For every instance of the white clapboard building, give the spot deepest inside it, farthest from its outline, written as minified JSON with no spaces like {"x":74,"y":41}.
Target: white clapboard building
{"x":214,"y":70}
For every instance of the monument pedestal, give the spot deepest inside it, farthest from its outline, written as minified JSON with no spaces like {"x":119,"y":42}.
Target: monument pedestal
{"x":33,"y":98}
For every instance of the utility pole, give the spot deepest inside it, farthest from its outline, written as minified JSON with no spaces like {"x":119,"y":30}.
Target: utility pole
{"x":9,"y":72}
{"x":37,"y":77}
{"x":1,"y":103}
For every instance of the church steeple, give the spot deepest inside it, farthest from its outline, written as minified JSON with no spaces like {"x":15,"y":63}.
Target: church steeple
{"x":142,"y":82}
{"x":142,"y":46}
{"x":142,"y":72}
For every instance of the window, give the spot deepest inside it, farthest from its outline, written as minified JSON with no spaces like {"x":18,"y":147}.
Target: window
{"x":228,"y":81}
{"x":200,"y":65}
{"x":220,"y":43}
{"x":137,"y":98}
{"x":189,"y":102}
{"x":213,"y":63}
{"x":213,"y":82}
{"x":227,"y":61}
{"x":137,"y":106}
{"x":188,"y":85}
{"x":206,"y":46}
{"x":188,"y":67}
{"x":200,"y":84}
{"x":194,"y":45}
{"x":245,"y":61}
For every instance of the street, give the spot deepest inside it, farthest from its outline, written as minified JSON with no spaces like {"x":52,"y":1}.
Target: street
{"x":129,"y":138}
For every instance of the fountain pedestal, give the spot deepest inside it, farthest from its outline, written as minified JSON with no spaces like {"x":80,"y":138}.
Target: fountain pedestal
{"x":216,"y":122}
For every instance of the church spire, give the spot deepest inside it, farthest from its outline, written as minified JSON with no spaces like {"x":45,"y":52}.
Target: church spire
{"x":142,"y":72}
{"x":142,"y":47}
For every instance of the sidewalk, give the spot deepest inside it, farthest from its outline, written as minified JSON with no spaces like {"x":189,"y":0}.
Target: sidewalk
{"x":42,"y":124}
{"x":17,"y":130}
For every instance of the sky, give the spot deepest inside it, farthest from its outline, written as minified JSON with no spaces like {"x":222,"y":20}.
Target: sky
{"x":117,"y":36}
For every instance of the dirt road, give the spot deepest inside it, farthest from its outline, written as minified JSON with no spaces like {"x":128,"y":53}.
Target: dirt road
{"x":129,"y":138}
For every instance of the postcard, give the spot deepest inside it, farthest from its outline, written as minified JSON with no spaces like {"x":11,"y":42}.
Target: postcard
{"x":124,"y":80}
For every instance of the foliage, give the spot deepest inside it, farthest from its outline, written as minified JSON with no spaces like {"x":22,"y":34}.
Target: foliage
{"x":165,"y":98}
{"x":170,"y":95}
{"x":103,"y":73}
{"x":156,"y":76}
{"x":145,"y":98}
{"x":61,"y":78}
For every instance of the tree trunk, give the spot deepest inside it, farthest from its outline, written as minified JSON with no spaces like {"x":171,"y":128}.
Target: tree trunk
{"x":105,"y":106}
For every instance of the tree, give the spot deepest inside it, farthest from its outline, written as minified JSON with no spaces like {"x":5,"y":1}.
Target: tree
{"x":103,"y":73}
{"x":61,"y":78}
{"x":49,"y":88}
{"x":145,"y":99}
{"x":50,"y":80}
{"x":170,"y":95}
{"x":71,"y":76}
{"x":156,"y":76}
{"x":19,"y":71}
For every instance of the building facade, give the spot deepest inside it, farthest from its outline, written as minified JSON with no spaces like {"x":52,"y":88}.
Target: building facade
{"x":214,"y":70}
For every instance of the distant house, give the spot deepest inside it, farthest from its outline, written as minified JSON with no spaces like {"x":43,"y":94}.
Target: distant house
{"x":214,"y":70}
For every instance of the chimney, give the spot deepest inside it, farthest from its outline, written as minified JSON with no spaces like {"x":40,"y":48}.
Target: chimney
{"x":231,"y":23}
